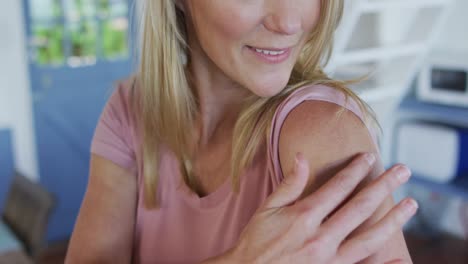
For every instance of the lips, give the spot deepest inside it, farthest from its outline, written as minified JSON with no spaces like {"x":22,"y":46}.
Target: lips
{"x":269,"y":50}
{"x":270,"y":55}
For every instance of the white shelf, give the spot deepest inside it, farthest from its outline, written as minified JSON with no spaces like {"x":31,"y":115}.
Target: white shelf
{"x":383,"y":5}
{"x":390,"y":39}
{"x":401,"y":59}
{"x":381,"y":53}
{"x":380,"y":94}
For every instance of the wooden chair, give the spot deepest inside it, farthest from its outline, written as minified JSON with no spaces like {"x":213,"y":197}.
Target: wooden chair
{"x":26,"y":213}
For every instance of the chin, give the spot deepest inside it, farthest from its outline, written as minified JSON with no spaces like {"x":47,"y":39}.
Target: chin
{"x":268,"y":88}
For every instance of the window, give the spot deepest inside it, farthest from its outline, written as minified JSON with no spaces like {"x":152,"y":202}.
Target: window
{"x":78,"y":33}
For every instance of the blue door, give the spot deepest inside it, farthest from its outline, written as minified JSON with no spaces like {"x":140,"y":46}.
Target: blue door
{"x":77,"y":50}
{"x":6,"y":167}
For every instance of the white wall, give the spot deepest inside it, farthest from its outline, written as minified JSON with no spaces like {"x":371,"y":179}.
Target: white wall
{"x":455,"y":36}
{"x":15,"y":98}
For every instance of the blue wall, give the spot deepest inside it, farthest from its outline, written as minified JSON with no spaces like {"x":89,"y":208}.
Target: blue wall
{"x":6,"y":165}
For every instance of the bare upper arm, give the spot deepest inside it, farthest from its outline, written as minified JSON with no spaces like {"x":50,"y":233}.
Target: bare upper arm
{"x":329,"y":142}
{"x":104,"y":228}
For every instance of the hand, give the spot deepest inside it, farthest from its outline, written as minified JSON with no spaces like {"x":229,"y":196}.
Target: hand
{"x":316,"y":228}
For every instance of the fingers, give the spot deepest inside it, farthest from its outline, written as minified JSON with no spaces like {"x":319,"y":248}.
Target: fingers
{"x":397,"y":261}
{"x":292,"y":186}
{"x":365,"y":244}
{"x":335,"y":191}
{"x":364,"y":204}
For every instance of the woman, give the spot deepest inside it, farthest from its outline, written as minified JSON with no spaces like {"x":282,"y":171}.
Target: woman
{"x":232,"y":145}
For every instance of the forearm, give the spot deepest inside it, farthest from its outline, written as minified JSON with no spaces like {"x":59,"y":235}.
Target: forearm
{"x":93,"y":259}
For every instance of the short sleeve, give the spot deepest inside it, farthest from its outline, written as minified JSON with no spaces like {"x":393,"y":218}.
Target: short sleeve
{"x":312,"y":92}
{"x":113,"y":135}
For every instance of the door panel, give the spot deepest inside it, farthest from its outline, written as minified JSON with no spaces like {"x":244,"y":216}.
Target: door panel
{"x":6,"y":165}
{"x":77,"y":50}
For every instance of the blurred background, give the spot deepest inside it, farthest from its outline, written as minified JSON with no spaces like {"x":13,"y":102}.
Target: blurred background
{"x":59,"y":60}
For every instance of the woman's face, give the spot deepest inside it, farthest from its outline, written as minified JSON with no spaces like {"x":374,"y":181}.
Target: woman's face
{"x":255,"y":43}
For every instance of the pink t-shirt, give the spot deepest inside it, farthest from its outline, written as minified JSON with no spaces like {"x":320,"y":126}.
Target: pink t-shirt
{"x":187,"y":228}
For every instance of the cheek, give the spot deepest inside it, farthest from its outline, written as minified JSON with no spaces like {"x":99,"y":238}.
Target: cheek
{"x":222,"y":28}
{"x":233,"y":30}
{"x":217,"y":30}
{"x":312,"y":16}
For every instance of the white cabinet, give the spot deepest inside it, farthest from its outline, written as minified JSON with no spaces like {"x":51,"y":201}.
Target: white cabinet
{"x":389,"y":40}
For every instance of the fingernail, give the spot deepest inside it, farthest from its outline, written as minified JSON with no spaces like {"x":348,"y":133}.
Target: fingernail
{"x":403,"y":173}
{"x":298,"y":158}
{"x":410,"y":207}
{"x":370,"y":158}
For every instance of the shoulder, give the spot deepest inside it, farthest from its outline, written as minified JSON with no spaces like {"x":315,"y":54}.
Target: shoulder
{"x":122,"y":91}
{"x":117,"y":116}
{"x":330,"y":135}
{"x":328,"y":128}
{"x":119,"y":106}
{"x":114,"y":137}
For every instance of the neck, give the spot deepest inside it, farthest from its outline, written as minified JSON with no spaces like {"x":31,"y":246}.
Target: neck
{"x":220,"y":99}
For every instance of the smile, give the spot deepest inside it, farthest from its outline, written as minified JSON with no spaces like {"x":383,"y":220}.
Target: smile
{"x":269,"y":52}
{"x":271,"y":55}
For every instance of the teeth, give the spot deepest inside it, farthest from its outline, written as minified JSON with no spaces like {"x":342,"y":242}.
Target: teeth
{"x":269,"y":52}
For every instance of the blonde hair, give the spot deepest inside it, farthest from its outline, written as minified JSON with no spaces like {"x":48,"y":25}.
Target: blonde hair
{"x":166,"y":104}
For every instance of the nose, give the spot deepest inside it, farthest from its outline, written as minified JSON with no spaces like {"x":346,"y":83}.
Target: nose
{"x":283,"y":17}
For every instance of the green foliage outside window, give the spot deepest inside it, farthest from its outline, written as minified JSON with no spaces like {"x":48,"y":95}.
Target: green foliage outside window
{"x":49,"y":43}
{"x":83,"y":40}
{"x":114,"y":38}
{"x":83,"y":33}
{"x":103,"y":7}
{"x":56,"y":8}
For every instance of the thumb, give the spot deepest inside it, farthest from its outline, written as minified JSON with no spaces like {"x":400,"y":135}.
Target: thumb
{"x":292,"y":185}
